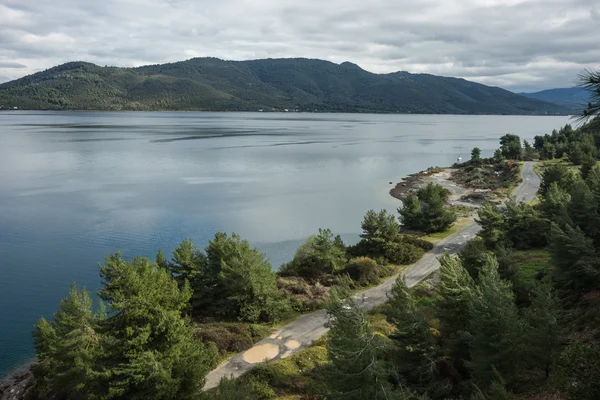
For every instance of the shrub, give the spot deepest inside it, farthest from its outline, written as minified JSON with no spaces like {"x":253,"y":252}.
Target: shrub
{"x":231,"y":337}
{"x":304,"y":296}
{"x":364,"y":271}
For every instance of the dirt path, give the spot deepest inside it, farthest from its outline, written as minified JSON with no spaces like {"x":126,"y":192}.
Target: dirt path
{"x":307,"y":328}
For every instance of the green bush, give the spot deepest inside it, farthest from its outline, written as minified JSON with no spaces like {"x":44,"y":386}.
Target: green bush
{"x":579,"y":371}
{"x":231,"y":337}
{"x":364,"y":271}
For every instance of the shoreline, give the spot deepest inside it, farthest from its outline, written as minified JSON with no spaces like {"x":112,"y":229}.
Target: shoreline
{"x":286,"y":112}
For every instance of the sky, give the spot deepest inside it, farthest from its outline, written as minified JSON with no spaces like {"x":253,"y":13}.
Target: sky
{"x":520,"y":45}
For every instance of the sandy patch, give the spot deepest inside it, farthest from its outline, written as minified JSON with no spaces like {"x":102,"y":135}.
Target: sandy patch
{"x":292,"y":344}
{"x":261,"y":353}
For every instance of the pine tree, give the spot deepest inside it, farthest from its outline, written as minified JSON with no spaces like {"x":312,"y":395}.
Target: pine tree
{"x":577,"y":263}
{"x":491,"y":221}
{"x":68,"y":348}
{"x":150,"y":348}
{"x":494,"y":329}
{"x":417,"y":355}
{"x":545,"y":334}
{"x":251,"y":290}
{"x":357,"y":370}
{"x":473,"y":257}
{"x":455,"y":291}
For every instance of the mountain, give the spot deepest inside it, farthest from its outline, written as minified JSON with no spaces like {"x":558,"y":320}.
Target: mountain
{"x":271,"y":84}
{"x":575,"y":98}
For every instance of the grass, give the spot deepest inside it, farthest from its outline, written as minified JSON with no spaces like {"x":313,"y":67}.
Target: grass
{"x":295,"y":376}
{"x":539,"y":167}
{"x":457,"y":226}
{"x":531,"y":262}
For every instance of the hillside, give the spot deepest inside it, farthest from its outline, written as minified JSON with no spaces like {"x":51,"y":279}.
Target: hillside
{"x":575,"y":98}
{"x":271,"y":84}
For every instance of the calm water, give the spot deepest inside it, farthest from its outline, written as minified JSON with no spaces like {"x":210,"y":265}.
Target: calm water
{"x":75,"y":187}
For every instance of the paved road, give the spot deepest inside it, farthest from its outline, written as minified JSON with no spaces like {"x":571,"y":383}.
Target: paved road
{"x":307,"y":328}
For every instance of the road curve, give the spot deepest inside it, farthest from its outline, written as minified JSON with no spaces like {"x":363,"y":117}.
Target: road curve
{"x":307,"y":328}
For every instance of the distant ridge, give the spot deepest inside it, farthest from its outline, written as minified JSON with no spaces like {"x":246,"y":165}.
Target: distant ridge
{"x":271,"y":85}
{"x":575,"y":98}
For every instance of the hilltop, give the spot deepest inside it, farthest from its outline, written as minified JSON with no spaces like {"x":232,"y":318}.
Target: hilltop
{"x":272,"y":85}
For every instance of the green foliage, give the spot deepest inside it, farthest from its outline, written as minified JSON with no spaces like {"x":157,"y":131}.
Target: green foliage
{"x":523,"y":225}
{"x":579,"y":371}
{"x":148,"y":343}
{"x":231,"y":337}
{"x":144,"y":347}
{"x":240,"y":389}
{"x":577,"y":263}
{"x":67,"y":349}
{"x":554,"y":205}
{"x":455,"y":291}
{"x":492,"y":224}
{"x":475,"y":154}
{"x":545,"y":333}
{"x":320,"y":255}
{"x":517,"y":224}
{"x":381,"y":241}
{"x":251,"y":292}
{"x":417,"y":351}
{"x":233,"y":280}
{"x":510,"y":146}
{"x":495,"y":330}
{"x":473,"y":256}
{"x":425,"y":210}
{"x":357,"y":369}
{"x":298,"y":371}
{"x":364,"y":271}
{"x":379,"y":226}
{"x":216,"y":85}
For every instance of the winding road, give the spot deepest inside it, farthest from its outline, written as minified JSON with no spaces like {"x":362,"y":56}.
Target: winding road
{"x":307,"y":328}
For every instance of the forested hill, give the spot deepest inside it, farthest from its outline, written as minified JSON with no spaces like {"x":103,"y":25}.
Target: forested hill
{"x":576,"y":98}
{"x":271,"y":84}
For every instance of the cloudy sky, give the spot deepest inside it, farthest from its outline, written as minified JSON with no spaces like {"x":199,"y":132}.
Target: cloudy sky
{"x":515,"y":44}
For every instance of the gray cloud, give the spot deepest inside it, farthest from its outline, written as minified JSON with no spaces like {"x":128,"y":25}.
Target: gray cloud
{"x":10,"y":64}
{"x":516,"y":44}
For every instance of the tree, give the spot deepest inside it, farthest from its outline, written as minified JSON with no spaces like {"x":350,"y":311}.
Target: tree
{"x":476,"y":154}
{"x":590,"y":80}
{"x":379,"y":226}
{"x":492,"y":225}
{"x":417,"y":353}
{"x":545,"y":334}
{"x":357,"y":370}
{"x":68,"y":348}
{"x":189,"y":265}
{"x":320,"y":255}
{"x":579,"y":370}
{"x":498,"y":156}
{"x":494,"y":329}
{"x":245,"y":285}
{"x":548,"y":152}
{"x":425,"y":210}
{"x":510,"y":146}
{"x":144,"y":348}
{"x":473,"y":256}
{"x":529,"y":152}
{"x":576,"y":261}
{"x":554,"y":205}
{"x":455,"y":291}
{"x":149,"y":345}
{"x":555,"y":173}
{"x":524,"y":227}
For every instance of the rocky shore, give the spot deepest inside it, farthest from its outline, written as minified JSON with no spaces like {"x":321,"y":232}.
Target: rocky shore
{"x":16,"y":385}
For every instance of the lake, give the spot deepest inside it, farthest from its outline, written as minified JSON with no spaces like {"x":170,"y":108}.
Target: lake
{"x":76,"y":186}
